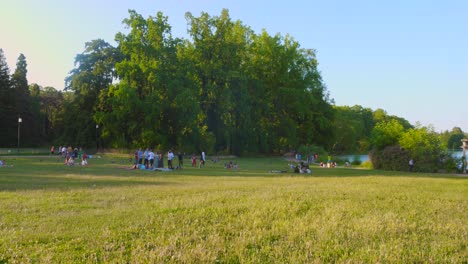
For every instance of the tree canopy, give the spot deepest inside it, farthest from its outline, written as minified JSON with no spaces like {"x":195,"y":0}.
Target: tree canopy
{"x":224,"y":89}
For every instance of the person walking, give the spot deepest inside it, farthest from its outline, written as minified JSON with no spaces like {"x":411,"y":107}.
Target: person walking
{"x":202,"y":159}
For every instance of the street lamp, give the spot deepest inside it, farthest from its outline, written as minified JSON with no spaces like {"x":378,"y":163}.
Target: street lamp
{"x":97,"y":142}
{"x":19,"y":125}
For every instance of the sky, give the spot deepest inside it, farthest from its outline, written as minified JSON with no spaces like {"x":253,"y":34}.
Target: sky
{"x":408,"y":57}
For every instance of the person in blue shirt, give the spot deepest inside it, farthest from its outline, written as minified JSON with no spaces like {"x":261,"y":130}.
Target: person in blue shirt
{"x":140,"y":156}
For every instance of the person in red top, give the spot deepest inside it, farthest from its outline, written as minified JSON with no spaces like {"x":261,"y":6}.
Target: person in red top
{"x":52,"y":150}
{"x":194,"y":161}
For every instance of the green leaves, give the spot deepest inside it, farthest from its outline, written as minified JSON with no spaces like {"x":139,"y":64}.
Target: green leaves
{"x":386,"y":134}
{"x":225,"y":89}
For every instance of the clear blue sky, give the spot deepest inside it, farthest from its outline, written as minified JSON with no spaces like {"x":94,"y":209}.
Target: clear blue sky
{"x":408,"y":57}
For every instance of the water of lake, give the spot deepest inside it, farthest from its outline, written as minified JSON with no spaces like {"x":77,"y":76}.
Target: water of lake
{"x":363,"y":158}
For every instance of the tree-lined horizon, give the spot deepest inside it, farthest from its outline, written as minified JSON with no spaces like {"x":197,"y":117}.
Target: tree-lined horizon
{"x":225,"y":89}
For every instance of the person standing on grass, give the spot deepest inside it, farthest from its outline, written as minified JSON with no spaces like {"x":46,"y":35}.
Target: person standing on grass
{"x":140,"y":156}
{"x":170,"y":157}
{"x":181,"y":160}
{"x":411,"y":165}
{"x":145,"y":156}
{"x":160,"y":160}
{"x":151,"y":158}
{"x":202,"y":159}
{"x":52,"y":150}
{"x":194,"y":160}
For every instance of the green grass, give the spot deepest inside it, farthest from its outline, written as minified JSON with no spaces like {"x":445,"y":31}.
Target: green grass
{"x":53,"y":213}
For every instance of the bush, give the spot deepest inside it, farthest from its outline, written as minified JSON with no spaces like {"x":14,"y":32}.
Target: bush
{"x":396,"y":158}
{"x":356,"y":160}
{"x":392,"y":158}
{"x":367,"y":164}
{"x":449,"y":164}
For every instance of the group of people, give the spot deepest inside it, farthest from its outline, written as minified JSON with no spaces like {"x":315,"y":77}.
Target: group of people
{"x":202,"y":160}
{"x":302,"y":167}
{"x":71,"y":155}
{"x":230,"y":165}
{"x":331,"y":164}
{"x":3,"y":164}
{"x":148,"y":159}
{"x":310,"y":158}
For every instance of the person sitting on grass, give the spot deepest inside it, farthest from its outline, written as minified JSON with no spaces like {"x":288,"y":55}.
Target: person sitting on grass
{"x":4,"y":165}
{"x":228,"y":165}
{"x":84,"y":159}
{"x":297,"y":169}
{"x":304,"y":168}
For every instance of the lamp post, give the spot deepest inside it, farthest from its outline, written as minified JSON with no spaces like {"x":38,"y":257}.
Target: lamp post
{"x":97,"y":142}
{"x":19,"y":125}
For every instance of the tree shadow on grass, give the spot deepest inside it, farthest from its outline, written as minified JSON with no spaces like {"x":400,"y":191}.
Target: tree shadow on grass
{"x":70,"y":181}
{"x":316,"y":172}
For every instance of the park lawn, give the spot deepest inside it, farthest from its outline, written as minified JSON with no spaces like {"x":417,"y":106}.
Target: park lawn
{"x":52,"y":213}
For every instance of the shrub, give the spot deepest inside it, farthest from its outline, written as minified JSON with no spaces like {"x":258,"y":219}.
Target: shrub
{"x":367,"y":164}
{"x":356,"y":160}
{"x":390,"y":158}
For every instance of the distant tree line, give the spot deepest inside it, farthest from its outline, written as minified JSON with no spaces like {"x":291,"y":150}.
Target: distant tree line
{"x":226,"y":89}
{"x":37,"y":107}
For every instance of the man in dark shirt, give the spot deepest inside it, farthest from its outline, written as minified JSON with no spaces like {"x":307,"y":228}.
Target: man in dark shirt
{"x":181,"y":159}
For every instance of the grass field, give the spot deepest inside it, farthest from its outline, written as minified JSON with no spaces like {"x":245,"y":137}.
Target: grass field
{"x":53,"y":213}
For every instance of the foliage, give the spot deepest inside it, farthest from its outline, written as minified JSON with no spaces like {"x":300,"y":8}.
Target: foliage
{"x":421,"y":144}
{"x":353,"y":126}
{"x":90,"y":79}
{"x":367,"y":164}
{"x":454,"y":141}
{"x":358,"y":129}
{"x":386,"y":133}
{"x":424,"y":146}
{"x":8,"y":116}
{"x":392,"y":158}
{"x":311,"y":150}
{"x":226,"y":89}
{"x":356,"y":160}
